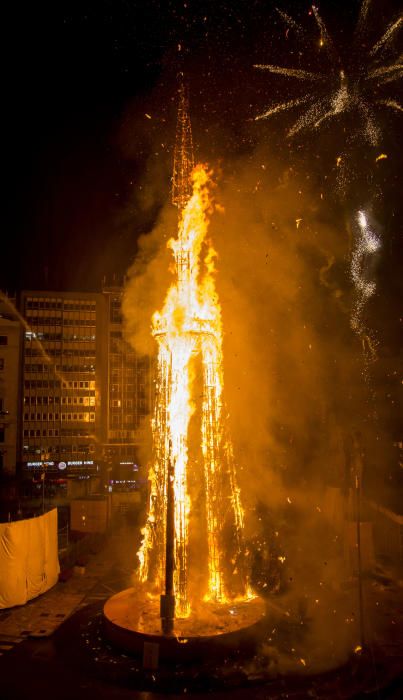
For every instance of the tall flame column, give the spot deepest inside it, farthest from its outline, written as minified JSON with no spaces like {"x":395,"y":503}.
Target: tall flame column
{"x":190,"y":325}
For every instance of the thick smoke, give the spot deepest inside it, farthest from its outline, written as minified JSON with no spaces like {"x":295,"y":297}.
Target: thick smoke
{"x":290,"y":367}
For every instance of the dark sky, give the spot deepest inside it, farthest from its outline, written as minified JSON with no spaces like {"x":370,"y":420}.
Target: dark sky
{"x":78,"y":149}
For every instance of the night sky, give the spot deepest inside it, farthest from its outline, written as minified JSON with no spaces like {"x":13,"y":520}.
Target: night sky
{"x":88,"y":171}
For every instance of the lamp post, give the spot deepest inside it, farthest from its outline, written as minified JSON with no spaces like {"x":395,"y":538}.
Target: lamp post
{"x":167,"y":599}
{"x":44,"y":456}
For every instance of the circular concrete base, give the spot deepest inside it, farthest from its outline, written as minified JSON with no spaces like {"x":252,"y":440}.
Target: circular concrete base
{"x":132,"y":622}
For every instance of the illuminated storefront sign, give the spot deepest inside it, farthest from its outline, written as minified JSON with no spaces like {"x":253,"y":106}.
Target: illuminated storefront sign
{"x":131,"y":464}
{"x":63,"y":465}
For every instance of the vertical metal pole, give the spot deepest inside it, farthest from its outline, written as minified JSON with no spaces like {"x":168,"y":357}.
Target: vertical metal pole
{"x":167,"y":601}
{"x":359,"y":562}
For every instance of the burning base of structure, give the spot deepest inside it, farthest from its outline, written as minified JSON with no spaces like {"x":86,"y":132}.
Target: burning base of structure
{"x":132,"y":621}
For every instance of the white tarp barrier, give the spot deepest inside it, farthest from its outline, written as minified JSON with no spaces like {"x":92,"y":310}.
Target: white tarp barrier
{"x":29,"y":563}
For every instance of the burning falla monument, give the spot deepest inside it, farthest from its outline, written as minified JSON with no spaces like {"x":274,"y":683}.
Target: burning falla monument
{"x":193,"y":573}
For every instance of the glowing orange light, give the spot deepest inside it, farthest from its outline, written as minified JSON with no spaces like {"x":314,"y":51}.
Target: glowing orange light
{"x":189,"y":325}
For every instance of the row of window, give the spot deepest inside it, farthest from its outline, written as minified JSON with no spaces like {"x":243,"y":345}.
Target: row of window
{"x":89,"y":353}
{"x":118,"y":403}
{"x":66,"y":304}
{"x":60,"y":368}
{"x":55,"y":352}
{"x":78,"y":416}
{"x":56,"y":432}
{"x":118,"y":435}
{"x":116,"y":419}
{"x":42,"y":384}
{"x":75,"y":338}
{"x":58,"y":337}
{"x":41,"y":433}
{"x":117,"y":376}
{"x":62,"y":416}
{"x":54,"y":449}
{"x":55,"y":384}
{"x":78,"y":400}
{"x":71,"y":400}
{"x":115,"y":310}
{"x":35,"y":321}
{"x":41,"y":416}
{"x":50,"y":416}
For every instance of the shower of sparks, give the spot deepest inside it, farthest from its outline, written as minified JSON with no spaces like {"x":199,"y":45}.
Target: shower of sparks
{"x":325,"y":38}
{"x":190,"y":326}
{"x":363,"y":15}
{"x":367,"y":244}
{"x":282,"y":106}
{"x":357,"y":84}
{"x":392,"y":104}
{"x":291,"y":22}
{"x":291,"y":72}
{"x":387,"y":37}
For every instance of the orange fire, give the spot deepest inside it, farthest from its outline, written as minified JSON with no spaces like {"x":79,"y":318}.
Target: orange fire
{"x":190,"y":325}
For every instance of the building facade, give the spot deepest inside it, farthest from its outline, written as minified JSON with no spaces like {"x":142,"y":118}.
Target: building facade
{"x":85,"y":392}
{"x":127,"y":393}
{"x":10,"y":367}
{"x":62,"y":370}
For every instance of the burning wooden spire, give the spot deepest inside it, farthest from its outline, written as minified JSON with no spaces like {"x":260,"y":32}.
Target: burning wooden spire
{"x":183,"y":152}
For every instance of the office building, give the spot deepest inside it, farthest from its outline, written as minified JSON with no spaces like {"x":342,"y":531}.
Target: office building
{"x":10,"y":365}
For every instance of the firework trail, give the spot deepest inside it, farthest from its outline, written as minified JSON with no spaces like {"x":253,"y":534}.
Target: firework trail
{"x":358,"y":83}
{"x":355,"y":84}
{"x":386,"y":38}
{"x":367,"y":244}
